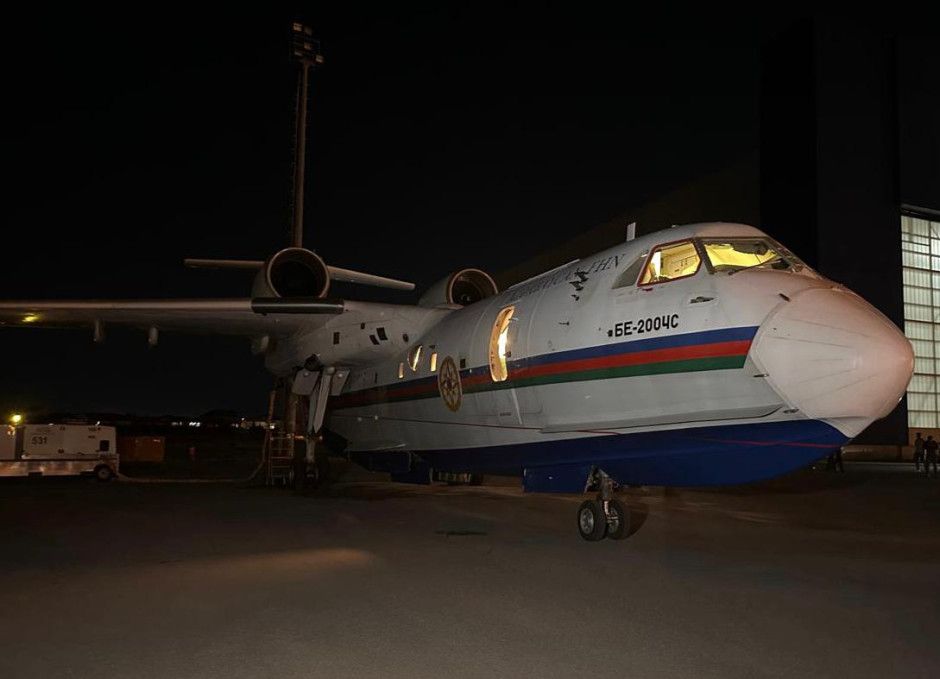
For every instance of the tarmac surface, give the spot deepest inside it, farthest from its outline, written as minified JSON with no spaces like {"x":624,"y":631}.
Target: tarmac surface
{"x":819,"y":574}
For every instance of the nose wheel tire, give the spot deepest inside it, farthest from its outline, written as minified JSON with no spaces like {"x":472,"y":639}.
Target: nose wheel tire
{"x":592,"y":523}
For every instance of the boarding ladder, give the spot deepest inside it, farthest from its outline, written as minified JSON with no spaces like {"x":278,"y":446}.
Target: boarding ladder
{"x":279,"y":443}
{"x":279,"y":456}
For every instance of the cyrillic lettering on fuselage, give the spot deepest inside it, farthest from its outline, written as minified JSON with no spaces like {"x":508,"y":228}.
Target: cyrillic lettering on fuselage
{"x":643,"y":326}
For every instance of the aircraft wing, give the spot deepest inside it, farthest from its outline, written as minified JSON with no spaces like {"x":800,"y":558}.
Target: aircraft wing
{"x":234,"y":316}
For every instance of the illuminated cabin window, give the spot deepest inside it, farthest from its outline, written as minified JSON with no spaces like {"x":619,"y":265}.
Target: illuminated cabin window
{"x":499,"y":349}
{"x":920,"y":268}
{"x":414,"y":357}
{"x":434,"y":362}
{"x":669,"y":262}
{"x":744,"y":253}
{"x":401,"y":370}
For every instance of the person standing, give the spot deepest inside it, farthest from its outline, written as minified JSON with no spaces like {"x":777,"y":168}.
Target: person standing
{"x":918,"y":451}
{"x":834,"y":461}
{"x":930,"y":456}
{"x":837,"y":461}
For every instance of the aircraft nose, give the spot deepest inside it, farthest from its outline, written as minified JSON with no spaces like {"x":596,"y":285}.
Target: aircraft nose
{"x":833,"y":356}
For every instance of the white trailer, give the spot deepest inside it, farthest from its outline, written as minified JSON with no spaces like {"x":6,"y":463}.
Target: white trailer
{"x":58,"y":450}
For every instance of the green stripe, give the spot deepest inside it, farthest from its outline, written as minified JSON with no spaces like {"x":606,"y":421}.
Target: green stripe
{"x":683,"y":366}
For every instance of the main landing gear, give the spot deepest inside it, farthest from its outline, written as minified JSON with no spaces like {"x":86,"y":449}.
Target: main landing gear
{"x":605,"y":516}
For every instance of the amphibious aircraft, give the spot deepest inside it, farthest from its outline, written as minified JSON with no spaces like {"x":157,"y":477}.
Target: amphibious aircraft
{"x":700,"y":354}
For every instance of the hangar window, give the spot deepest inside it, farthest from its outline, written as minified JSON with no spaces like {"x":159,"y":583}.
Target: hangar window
{"x":499,"y":348}
{"x":745,"y":253}
{"x":414,"y":357}
{"x":920,"y":247}
{"x":672,"y":261}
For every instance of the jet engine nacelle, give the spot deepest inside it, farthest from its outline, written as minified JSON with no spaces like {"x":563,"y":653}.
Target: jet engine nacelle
{"x":292,"y":272}
{"x":463,"y":287}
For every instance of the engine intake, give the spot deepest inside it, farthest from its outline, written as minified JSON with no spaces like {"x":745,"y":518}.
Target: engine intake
{"x":292,"y":272}
{"x":463,"y":287}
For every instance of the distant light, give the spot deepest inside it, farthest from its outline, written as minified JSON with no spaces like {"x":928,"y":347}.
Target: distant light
{"x":30,"y":318}
{"x":16,"y":418}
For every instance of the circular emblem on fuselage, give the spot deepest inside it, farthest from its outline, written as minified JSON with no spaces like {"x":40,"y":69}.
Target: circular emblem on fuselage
{"x":448,"y":383}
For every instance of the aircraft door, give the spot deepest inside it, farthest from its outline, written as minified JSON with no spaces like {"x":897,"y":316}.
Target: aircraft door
{"x":507,"y":352}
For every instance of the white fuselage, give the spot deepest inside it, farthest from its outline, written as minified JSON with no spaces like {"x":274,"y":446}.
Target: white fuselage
{"x":589,"y":352}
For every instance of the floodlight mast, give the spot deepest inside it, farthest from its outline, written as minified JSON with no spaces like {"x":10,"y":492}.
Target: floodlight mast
{"x":306,"y":50}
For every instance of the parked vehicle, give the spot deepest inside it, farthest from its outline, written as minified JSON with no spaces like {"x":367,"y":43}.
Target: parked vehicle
{"x":59,"y":450}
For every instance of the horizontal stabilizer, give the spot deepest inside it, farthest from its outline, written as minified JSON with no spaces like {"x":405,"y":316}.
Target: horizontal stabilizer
{"x":350,"y":276}
{"x":336,"y":273}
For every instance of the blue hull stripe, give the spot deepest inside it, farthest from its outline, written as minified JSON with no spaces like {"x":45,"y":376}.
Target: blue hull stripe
{"x":701,"y":456}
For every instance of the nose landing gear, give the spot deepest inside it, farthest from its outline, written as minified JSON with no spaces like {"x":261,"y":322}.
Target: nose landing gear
{"x":605,"y":516}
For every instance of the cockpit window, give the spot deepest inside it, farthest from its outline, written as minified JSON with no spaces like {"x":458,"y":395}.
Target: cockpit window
{"x":672,"y":261}
{"x":735,"y":254}
{"x":629,"y":275}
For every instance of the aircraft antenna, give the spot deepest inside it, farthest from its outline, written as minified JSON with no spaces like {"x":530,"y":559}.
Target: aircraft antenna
{"x":305,"y":49}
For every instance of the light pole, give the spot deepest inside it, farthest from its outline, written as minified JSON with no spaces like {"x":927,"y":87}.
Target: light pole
{"x":306,"y":50}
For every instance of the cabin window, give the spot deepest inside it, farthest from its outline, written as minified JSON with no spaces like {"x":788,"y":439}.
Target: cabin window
{"x":733,"y":254}
{"x":414,"y":357}
{"x":434,"y":362}
{"x":499,"y":348}
{"x":401,"y":370}
{"x":629,"y":275}
{"x":672,"y":261}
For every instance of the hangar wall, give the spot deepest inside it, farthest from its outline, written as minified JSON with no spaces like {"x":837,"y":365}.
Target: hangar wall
{"x":918,"y":63}
{"x":849,"y":136}
{"x":829,"y":163}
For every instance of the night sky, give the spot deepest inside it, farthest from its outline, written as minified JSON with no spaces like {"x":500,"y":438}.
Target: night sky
{"x":438,"y":139}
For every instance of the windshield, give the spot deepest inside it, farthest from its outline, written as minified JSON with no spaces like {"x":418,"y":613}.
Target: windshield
{"x":671,"y":261}
{"x":735,"y":254}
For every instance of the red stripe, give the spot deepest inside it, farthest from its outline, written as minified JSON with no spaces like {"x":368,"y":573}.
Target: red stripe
{"x":380,"y":393}
{"x":473,"y":380}
{"x":735,"y":348}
